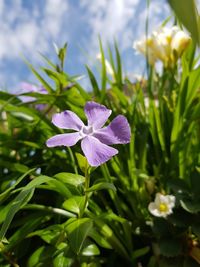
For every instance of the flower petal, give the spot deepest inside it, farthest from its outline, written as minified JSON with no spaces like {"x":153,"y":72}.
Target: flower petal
{"x":96,"y":114}
{"x":67,"y":120}
{"x":96,"y":152}
{"x":117,"y":132}
{"x":154,"y":210}
{"x":68,"y":139}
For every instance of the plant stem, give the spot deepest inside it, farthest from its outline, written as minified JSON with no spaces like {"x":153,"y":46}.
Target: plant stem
{"x":87,"y":185}
{"x":49,"y":210}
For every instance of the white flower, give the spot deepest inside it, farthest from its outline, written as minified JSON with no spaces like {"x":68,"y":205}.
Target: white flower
{"x":180,"y":42}
{"x":165,"y":44}
{"x":162,"y":205}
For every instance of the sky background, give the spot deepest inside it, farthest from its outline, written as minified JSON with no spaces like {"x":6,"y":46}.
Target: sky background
{"x":28,"y":27}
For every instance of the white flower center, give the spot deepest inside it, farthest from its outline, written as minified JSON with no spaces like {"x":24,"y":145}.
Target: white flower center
{"x":86,"y":130}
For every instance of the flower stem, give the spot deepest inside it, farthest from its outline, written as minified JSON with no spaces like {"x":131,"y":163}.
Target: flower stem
{"x":87,"y":185}
{"x":49,"y":210}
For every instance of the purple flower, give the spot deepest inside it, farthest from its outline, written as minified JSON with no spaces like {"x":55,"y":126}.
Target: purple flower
{"x":95,"y":139}
{"x":30,"y":88}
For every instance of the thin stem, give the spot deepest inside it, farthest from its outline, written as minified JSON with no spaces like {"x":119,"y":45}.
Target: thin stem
{"x":73,"y":160}
{"x":87,"y":185}
{"x":49,"y":210}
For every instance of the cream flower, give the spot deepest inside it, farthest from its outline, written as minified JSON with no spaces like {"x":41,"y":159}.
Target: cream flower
{"x":180,"y":42}
{"x":165,"y":44}
{"x":162,"y":205}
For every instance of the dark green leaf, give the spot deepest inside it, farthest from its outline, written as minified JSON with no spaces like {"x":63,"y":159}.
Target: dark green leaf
{"x":77,"y":232}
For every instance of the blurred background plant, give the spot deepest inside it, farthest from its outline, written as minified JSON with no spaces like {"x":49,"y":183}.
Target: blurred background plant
{"x":43,"y":216}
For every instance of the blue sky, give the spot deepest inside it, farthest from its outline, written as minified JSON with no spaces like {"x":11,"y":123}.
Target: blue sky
{"x":28,"y":27}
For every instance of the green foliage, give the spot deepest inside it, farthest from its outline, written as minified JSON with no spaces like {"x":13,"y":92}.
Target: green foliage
{"x":55,"y":210}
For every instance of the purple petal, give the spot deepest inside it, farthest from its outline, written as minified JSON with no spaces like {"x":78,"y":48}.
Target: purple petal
{"x":68,"y":139}
{"x":27,"y":87}
{"x":42,"y":90}
{"x":27,"y":99}
{"x":41,"y":107}
{"x":96,"y":114}
{"x":96,"y":152}
{"x":67,"y":120}
{"x":117,"y":132}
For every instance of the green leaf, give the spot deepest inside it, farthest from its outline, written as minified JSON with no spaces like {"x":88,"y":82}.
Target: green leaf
{"x":51,"y":234}
{"x":18,"y":202}
{"x":96,"y":90}
{"x":62,"y":54}
{"x":90,"y":250}
{"x":7,"y":193}
{"x":82,"y":162}
{"x":70,"y":178}
{"x":39,"y":77}
{"x":119,"y":66}
{"x":56,"y":76}
{"x":22,"y":199}
{"x":140,"y":252}
{"x":75,"y":204}
{"x":59,"y":187}
{"x":41,"y":257}
{"x":101,"y":186}
{"x":48,"y":61}
{"x":103,"y":72}
{"x":22,"y":232}
{"x":62,"y":261}
{"x":99,"y":239}
{"x":192,"y":206}
{"x":170,"y":247}
{"x":78,"y":230}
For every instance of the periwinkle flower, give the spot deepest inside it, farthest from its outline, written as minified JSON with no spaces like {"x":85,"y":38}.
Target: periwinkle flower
{"x":162,"y":205}
{"x":95,"y":139}
{"x":31,"y":88}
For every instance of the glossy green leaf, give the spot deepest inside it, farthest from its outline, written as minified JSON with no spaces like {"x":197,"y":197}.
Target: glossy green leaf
{"x":82,"y":162}
{"x":70,"y":178}
{"x":90,"y":250}
{"x":78,"y":231}
{"x":41,"y":257}
{"x":75,"y":204}
{"x":93,"y":81}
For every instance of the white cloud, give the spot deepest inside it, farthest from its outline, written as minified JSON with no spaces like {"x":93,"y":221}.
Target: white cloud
{"x":110,"y":19}
{"x":27,"y":29}
{"x":23,"y":30}
{"x":55,"y":13}
{"x":123,"y":20}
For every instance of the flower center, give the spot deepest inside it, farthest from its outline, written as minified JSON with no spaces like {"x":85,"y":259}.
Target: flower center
{"x":86,"y":130}
{"x":163,"y":207}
